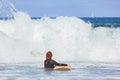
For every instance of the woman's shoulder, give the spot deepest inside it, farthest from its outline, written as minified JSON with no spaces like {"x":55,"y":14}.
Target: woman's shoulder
{"x":53,"y":60}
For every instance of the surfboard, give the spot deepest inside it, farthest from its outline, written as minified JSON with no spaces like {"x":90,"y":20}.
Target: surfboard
{"x":62,"y":68}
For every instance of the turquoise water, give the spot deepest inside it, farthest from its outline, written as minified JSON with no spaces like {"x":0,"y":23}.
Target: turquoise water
{"x":79,"y":71}
{"x":103,"y":21}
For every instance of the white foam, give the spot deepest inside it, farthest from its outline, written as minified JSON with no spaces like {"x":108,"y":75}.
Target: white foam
{"x":69,"y":38}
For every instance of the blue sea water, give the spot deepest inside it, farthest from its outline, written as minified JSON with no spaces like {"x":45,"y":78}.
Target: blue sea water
{"x":96,"y":21}
{"x":79,"y":71}
{"x":103,"y":21}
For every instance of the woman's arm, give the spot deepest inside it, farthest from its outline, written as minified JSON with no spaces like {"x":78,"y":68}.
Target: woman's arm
{"x":58,"y":64}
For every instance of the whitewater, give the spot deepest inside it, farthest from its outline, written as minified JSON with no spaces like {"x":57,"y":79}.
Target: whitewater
{"x":23,"y":39}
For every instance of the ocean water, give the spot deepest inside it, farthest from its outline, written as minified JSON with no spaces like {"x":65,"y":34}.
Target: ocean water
{"x":103,"y":21}
{"x":79,"y":71}
{"x":90,"y":45}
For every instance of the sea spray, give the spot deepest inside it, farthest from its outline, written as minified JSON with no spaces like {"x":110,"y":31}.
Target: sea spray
{"x":23,"y":39}
{"x":7,"y":8}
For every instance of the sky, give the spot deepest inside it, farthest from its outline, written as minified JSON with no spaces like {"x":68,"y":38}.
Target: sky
{"x":53,"y":8}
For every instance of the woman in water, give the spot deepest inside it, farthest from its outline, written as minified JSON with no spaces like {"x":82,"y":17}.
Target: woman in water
{"x":50,"y":63}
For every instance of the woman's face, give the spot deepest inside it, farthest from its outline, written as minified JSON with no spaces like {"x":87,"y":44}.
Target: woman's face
{"x":49,"y":55}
